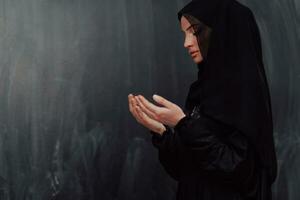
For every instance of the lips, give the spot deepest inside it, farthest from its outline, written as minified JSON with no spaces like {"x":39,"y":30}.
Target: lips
{"x":193,"y":52}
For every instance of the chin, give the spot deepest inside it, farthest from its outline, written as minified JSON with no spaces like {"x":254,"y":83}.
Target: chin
{"x":198,"y":60}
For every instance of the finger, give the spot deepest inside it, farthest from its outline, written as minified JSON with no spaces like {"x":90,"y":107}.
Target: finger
{"x":147,"y":121}
{"x":150,"y":106}
{"x":146,"y":110}
{"x":162,"y":101}
{"x":144,"y":119}
{"x":130,"y":102}
{"x":133,"y":110}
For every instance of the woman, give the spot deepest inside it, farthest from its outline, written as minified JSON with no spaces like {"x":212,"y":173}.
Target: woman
{"x":221,"y":146}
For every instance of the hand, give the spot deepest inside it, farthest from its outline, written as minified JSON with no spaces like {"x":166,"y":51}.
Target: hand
{"x":170,"y":114}
{"x":142,"y":118}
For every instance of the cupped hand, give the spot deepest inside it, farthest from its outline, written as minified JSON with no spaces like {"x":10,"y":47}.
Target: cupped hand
{"x":143,"y":118}
{"x":168,"y":114}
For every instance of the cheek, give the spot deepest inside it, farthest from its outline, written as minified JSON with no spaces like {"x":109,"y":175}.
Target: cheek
{"x":195,"y":42}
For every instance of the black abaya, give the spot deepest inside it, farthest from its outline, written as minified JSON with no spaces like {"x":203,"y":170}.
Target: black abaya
{"x":223,"y":148}
{"x":211,"y":161}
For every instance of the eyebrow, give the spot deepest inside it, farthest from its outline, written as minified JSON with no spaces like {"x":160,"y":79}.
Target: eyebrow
{"x":189,"y":27}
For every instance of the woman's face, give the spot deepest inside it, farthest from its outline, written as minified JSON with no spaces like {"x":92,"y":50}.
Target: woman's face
{"x":190,"y":41}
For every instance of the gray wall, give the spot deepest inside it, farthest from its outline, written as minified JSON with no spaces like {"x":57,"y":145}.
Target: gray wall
{"x":66,"y":68}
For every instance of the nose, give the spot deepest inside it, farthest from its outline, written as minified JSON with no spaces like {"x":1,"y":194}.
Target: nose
{"x":187,"y":42}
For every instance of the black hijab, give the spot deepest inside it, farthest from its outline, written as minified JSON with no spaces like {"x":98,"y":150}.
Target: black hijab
{"x":232,"y":87}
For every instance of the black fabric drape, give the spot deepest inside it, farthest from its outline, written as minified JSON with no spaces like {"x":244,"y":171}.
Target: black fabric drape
{"x":224,"y":147}
{"x":232,"y":85}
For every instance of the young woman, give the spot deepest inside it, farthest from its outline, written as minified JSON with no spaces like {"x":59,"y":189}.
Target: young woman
{"x":221,"y":146}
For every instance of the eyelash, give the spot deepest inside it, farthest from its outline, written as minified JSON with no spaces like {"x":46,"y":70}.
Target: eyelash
{"x":198,"y":31}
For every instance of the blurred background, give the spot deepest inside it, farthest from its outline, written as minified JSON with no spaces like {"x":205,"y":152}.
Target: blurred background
{"x":66,"y":68}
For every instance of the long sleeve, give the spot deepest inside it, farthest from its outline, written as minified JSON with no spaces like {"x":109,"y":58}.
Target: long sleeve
{"x":168,"y":151}
{"x":210,"y":146}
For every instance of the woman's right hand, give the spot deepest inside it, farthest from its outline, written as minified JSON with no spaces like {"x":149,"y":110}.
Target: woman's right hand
{"x":143,"y":118}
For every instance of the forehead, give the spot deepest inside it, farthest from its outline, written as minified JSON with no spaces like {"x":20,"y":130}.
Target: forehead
{"x":184,"y":23}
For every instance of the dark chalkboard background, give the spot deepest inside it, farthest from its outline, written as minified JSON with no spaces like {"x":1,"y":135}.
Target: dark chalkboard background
{"x":66,"y":68}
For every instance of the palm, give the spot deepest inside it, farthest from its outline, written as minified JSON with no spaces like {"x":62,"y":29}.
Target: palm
{"x":143,"y":118}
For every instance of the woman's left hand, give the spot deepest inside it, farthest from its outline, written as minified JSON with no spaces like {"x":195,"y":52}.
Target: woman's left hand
{"x":169,"y":114}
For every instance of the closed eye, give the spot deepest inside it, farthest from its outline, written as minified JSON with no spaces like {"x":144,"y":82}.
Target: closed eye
{"x":198,"y":29}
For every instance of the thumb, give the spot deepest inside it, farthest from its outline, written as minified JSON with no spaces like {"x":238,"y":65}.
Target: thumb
{"x":162,"y":101}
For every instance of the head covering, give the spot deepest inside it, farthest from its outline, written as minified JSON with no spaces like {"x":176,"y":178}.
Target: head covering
{"x":232,"y":87}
